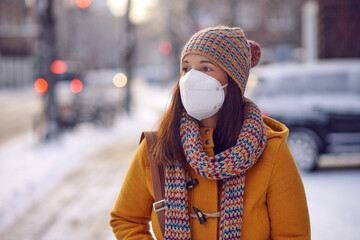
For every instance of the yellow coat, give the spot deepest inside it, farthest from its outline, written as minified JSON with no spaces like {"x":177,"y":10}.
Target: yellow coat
{"x":274,"y":203}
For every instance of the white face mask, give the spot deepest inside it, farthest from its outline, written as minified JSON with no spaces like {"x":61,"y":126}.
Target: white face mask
{"x":201,"y":94}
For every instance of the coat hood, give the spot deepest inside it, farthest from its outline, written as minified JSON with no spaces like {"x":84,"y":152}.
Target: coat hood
{"x":275,"y":129}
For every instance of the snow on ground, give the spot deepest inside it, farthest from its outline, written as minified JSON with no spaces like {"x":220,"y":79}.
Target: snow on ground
{"x":29,"y":169}
{"x":333,"y":199}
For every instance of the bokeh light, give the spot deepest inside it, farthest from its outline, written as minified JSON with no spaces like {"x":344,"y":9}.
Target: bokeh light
{"x":40,"y":86}
{"x":83,"y":3}
{"x":141,"y":10}
{"x":76,"y":86}
{"x":58,"y":67}
{"x":120,"y":80}
{"x":165,"y":48}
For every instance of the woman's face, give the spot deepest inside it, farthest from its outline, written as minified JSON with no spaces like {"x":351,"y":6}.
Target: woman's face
{"x":205,"y":65}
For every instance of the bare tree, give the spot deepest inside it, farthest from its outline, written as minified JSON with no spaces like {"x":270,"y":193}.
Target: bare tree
{"x":128,"y":54}
{"x":47,"y":54}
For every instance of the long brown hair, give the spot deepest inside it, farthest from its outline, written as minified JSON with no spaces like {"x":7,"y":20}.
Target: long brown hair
{"x":168,"y":146}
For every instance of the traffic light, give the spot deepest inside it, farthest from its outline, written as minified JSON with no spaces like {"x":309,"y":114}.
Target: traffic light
{"x":76,"y":86}
{"x":58,"y":67}
{"x":165,"y":48}
{"x":40,"y":86}
{"x":83,"y":3}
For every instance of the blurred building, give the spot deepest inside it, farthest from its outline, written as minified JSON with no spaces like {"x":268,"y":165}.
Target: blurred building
{"x":18,"y":32}
{"x":91,"y":35}
{"x":339,"y":28}
{"x":17,"y":28}
{"x":275,"y":25}
{"x":95,"y":36}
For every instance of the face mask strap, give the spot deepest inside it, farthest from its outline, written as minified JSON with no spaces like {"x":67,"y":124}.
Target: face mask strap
{"x":222,"y":87}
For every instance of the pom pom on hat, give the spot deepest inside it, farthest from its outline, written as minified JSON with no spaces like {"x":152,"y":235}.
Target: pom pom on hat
{"x":227,"y":47}
{"x":255,"y":53}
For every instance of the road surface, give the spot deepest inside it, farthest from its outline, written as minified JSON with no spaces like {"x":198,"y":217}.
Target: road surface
{"x":17,"y":111}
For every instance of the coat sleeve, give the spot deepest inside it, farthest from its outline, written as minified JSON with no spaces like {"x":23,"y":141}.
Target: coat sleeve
{"x":287,"y":206}
{"x":131,"y":214}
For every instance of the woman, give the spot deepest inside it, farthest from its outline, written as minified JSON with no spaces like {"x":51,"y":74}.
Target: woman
{"x":248,"y":184}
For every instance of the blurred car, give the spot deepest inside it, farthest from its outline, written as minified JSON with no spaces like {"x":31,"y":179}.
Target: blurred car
{"x":92,"y":99}
{"x":319,"y":102}
{"x":82,"y":97}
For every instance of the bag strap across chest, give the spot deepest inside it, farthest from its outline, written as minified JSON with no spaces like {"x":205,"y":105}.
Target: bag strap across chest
{"x":158,"y":181}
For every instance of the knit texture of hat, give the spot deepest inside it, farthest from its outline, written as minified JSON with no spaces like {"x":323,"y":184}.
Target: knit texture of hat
{"x":227,"y":47}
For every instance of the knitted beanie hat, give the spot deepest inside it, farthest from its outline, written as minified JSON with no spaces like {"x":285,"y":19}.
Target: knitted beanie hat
{"x":229,"y":48}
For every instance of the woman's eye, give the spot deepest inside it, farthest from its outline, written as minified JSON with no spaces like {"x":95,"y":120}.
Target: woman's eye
{"x":207,"y":69}
{"x":185,"y":69}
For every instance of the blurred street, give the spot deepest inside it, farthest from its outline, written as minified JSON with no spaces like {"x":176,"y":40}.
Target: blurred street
{"x":79,"y":188}
{"x":17,"y":110}
{"x":66,"y":188}
{"x":78,"y":206}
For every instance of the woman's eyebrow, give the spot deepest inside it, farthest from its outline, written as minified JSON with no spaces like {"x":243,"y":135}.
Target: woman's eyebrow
{"x":205,"y":61}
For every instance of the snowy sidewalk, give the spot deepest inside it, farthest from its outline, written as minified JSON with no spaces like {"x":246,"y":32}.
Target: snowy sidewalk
{"x":77,"y":206}
{"x":66,"y":188}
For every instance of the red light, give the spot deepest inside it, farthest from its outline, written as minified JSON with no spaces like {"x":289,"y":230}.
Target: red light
{"x":40,"y":86}
{"x":58,"y":67}
{"x":76,"y":86}
{"x":165,"y":48}
{"x":83,"y":3}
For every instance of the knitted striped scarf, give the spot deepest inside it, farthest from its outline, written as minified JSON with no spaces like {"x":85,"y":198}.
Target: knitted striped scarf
{"x":229,"y":166}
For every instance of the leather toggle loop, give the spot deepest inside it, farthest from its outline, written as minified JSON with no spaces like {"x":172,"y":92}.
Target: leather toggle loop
{"x":200,"y":215}
{"x":192,"y":183}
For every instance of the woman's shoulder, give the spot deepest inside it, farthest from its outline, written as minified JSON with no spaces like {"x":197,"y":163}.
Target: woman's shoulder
{"x":276,"y":153}
{"x":275,"y":129}
{"x":277,"y":134}
{"x":142,"y":155}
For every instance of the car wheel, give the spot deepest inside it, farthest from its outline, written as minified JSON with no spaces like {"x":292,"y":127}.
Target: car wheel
{"x":304,"y":147}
